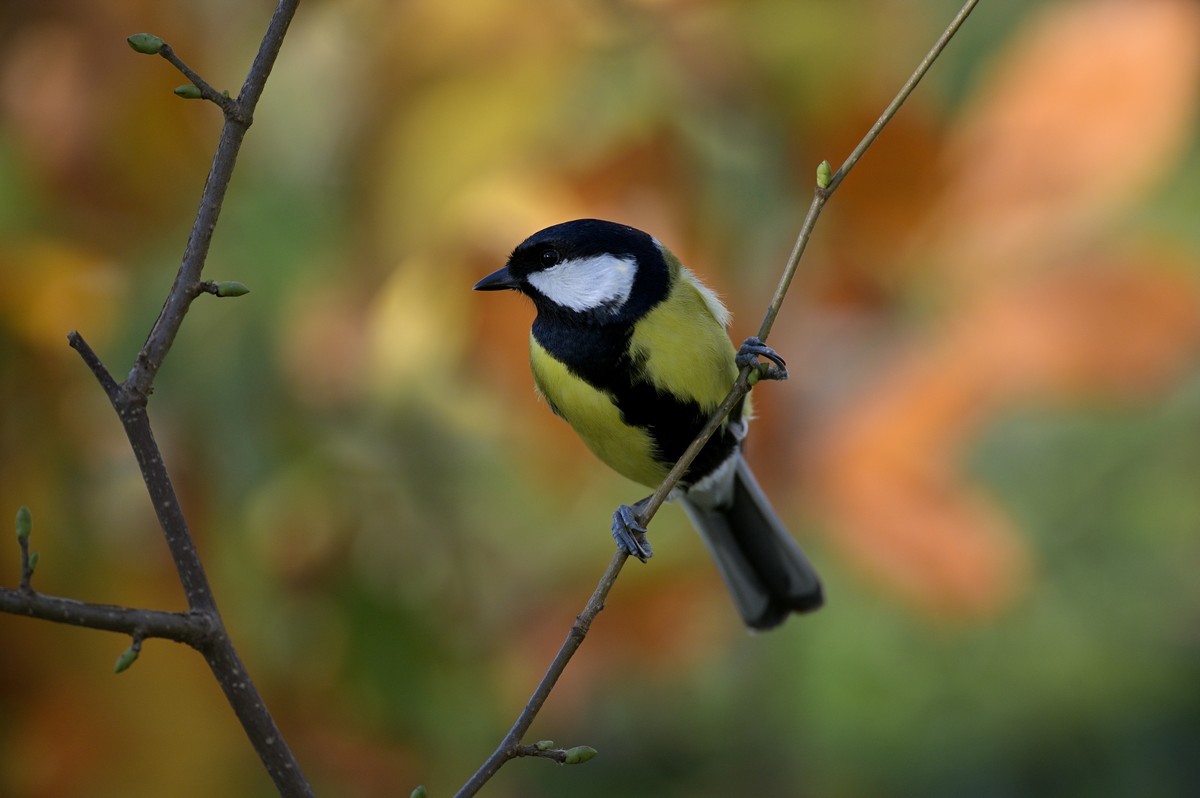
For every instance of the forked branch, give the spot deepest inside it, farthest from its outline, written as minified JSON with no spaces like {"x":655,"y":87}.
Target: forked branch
{"x":201,"y":627}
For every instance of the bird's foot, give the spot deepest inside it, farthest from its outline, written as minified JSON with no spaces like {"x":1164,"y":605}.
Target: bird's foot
{"x":629,"y":533}
{"x":747,"y":356}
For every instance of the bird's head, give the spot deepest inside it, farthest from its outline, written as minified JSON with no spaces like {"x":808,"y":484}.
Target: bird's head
{"x":587,"y":269}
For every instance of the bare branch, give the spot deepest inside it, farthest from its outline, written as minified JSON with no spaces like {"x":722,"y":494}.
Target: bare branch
{"x":192,"y":628}
{"x":112,"y":388}
{"x":823,"y":193}
{"x":229,"y":106}
{"x":510,"y":746}
{"x":820,"y":196}
{"x":201,"y":627}
{"x":239,"y":114}
{"x":28,"y":563}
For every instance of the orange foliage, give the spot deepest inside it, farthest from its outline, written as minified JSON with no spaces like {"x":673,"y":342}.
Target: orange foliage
{"x":1086,"y":111}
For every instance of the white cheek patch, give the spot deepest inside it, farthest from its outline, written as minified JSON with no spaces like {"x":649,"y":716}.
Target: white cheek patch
{"x":587,"y":283}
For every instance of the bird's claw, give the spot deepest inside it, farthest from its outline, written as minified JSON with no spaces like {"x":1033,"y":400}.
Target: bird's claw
{"x":747,"y":357}
{"x":629,"y":534}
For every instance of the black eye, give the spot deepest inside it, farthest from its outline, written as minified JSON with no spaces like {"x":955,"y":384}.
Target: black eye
{"x":550,"y":257}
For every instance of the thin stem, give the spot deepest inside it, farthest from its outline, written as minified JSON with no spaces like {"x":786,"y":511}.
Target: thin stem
{"x":192,"y":628}
{"x":112,"y":388}
{"x":228,"y":105}
{"x":821,"y":195}
{"x":238,"y":116}
{"x":264,"y":61}
{"x":26,"y":584}
{"x":511,"y":744}
{"x":163,"y":497}
{"x":559,"y":755}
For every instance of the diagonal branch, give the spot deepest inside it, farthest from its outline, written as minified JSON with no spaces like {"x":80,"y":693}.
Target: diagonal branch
{"x":239,"y":114}
{"x":821,"y":195}
{"x":226,"y":104}
{"x":824,"y":192}
{"x":130,"y":405}
{"x":136,"y":423}
{"x":509,"y":747}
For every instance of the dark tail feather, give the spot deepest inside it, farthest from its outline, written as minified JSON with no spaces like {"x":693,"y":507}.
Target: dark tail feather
{"x":765,"y":570}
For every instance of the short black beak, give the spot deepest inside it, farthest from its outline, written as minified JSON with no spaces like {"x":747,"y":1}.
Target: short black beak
{"x":497,"y":281}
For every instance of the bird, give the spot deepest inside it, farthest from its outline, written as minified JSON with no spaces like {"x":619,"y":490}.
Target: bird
{"x":631,"y":350}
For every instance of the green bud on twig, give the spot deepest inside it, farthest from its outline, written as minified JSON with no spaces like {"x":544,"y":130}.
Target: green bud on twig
{"x":145,"y":43}
{"x":579,"y":754}
{"x":188,"y":91}
{"x":127,"y":658}
{"x":231,"y":288}
{"x":24,"y":523}
{"x":824,"y":174}
{"x":544,"y":745}
{"x":419,"y":792}
{"x":34,"y":559}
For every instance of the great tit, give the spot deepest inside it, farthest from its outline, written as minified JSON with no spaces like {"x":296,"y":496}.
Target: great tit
{"x":630,"y":349}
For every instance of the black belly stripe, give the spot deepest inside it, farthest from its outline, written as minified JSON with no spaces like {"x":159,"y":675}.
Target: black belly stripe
{"x":599,"y":356}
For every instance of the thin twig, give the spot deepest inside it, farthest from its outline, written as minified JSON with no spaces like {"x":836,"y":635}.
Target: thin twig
{"x":227,"y":104}
{"x":239,"y":114}
{"x":136,"y":422}
{"x":219,"y":652}
{"x":820,"y":196}
{"x":25,"y":587}
{"x":509,"y":746}
{"x":191,"y":628}
{"x":823,"y":194}
{"x":557,"y":754}
{"x":112,"y":388}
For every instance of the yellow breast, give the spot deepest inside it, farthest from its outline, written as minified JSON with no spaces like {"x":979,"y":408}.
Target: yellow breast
{"x":627,"y":450}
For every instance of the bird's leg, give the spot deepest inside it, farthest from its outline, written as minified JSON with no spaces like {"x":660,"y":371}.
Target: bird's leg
{"x":629,"y":533}
{"x":752,"y":349}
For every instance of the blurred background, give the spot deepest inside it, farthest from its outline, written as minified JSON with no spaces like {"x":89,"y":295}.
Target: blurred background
{"x":990,"y":444}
